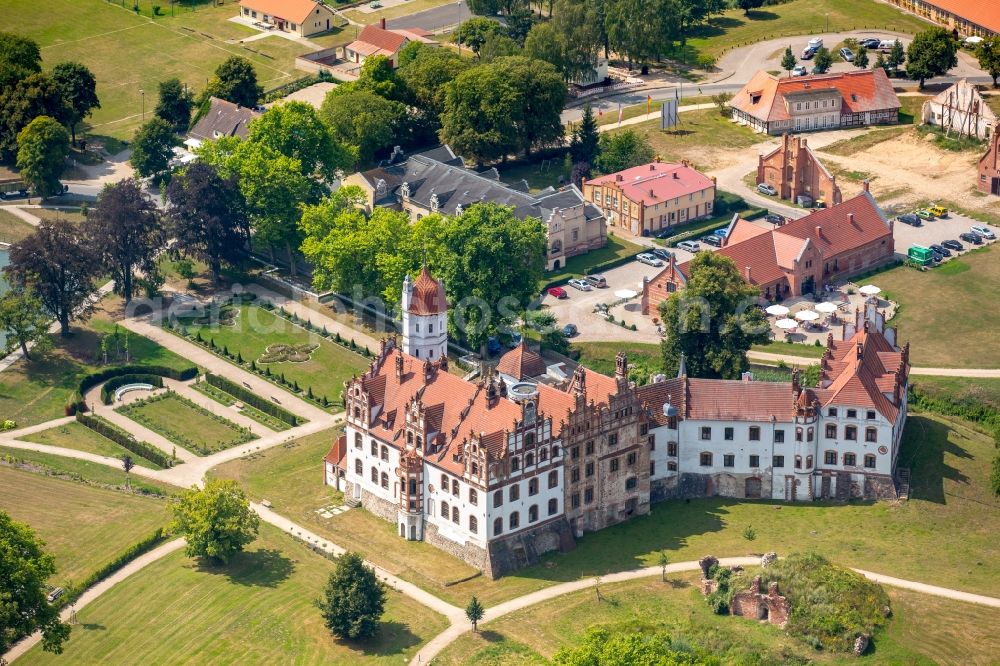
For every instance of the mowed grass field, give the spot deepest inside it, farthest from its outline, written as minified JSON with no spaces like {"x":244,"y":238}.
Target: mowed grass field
{"x":82,"y":438}
{"x":923,"y":629}
{"x":129,"y":53}
{"x":701,"y":137}
{"x":13,"y":228}
{"x":944,"y":535}
{"x":82,"y":526}
{"x":257,"y":610}
{"x":186,"y":424}
{"x":947,"y":313}
{"x":328,"y":367}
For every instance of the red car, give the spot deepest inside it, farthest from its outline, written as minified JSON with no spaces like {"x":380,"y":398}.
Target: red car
{"x":558,"y":292}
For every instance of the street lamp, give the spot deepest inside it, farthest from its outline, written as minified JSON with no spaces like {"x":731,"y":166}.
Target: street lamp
{"x":827,"y":15}
{"x":142,"y":95}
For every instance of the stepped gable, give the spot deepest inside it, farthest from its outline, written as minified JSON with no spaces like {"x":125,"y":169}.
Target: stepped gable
{"x":865,"y":371}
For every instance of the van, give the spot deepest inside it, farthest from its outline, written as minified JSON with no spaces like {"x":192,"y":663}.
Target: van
{"x":815,"y":43}
{"x":886,"y":44}
{"x":596,"y":281}
{"x":939,"y":211}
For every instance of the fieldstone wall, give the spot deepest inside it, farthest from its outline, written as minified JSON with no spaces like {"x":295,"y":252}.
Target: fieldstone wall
{"x":469,"y":552}
{"x":879,"y":487}
{"x":684,"y":486}
{"x":525,"y":548}
{"x":382,"y":508}
{"x":757,"y":606}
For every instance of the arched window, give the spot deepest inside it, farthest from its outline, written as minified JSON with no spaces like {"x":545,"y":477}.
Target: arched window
{"x":515,"y":492}
{"x":385,"y":453}
{"x":454,"y":487}
{"x":473,"y":497}
{"x":374,"y":475}
{"x":532,"y":513}
{"x":798,"y":462}
{"x":359,"y":467}
{"x":553,"y":506}
{"x":358,"y":440}
{"x":357,"y":413}
{"x":385,"y":480}
{"x":374,"y":446}
{"x":553,"y":479}
{"x":809,"y":435}
{"x":533,"y":486}
{"x":445,"y":510}
{"x":515,"y":520}
{"x":831,"y":431}
{"x":498,"y":526}
{"x":498,"y":498}
{"x":555,"y":450}
{"x":515,"y":464}
{"x":529,"y":460}
{"x":420,"y":442}
{"x":444,"y":482}
{"x":473,"y":525}
{"x":454,"y":514}
{"x":475,"y":469}
{"x":409,"y":438}
{"x":809,"y":462}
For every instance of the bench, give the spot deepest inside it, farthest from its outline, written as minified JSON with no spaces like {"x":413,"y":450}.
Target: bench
{"x":122,"y":390}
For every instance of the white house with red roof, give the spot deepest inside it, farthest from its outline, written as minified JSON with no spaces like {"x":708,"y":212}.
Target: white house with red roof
{"x":425,"y":317}
{"x":647,"y":198}
{"x":303,"y":17}
{"x":376,"y":40}
{"x":777,"y":105}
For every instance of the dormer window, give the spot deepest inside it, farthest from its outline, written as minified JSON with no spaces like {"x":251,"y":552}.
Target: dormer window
{"x":404,"y":190}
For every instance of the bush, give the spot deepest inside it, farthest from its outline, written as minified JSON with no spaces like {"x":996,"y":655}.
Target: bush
{"x":88,"y":382}
{"x":123,"y":439}
{"x":249,"y":397}
{"x":115,"y":383}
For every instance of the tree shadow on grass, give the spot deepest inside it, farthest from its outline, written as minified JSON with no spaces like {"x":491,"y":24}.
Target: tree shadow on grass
{"x":715,"y":27}
{"x":491,"y":636}
{"x":924,"y":445}
{"x":761,"y":15}
{"x":393,"y":638}
{"x":258,"y":568}
{"x":92,"y":626}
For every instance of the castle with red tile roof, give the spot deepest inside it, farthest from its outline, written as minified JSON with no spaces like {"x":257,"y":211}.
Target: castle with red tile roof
{"x":526,"y":458}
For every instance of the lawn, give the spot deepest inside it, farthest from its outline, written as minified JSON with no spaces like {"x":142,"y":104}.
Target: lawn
{"x":945,"y":314}
{"x":697,"y":134}
{"x":328,"y":367}
{"x":186,"y":424}
{"x":257,"y":610}
{"x":922,"y":628}
{"x":577,"y":266}
{"x":548,"y":172}
{"x":130,"y":54}
{"x":13,"y":228}
{"x":404,"y":9}
{"x":82,"y":471}
{"x":70,"y":214}
{"x":733,"y":28}
{"x":82,"y":438}
{"x":791,"y":349}
{"x":227,"y":400}
{"x":35,"y":391}
{"x":83,"y":527}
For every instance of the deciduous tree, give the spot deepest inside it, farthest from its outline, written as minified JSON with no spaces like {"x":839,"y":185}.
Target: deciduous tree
{"x":546,"y":43}
{"x":152,"y":148}
{"x":174,"y":104}
{"x":747,"y":5}
{"x":42,"y":148}
{"x":365,"y":121}
{"x":216,"y":520}
{"x":295,"y":130}
{"x":622,"y":150}
{"x":24,"y":321}
{"x":473,"y":33}
{"x":354,"y":599}
{"x":235,"y":81}
{"x":125,"y":232}
{"x":988,"y":54}
{"x":207,"y":215}
{"x":426,"y":76}
{"x":25,"y":569}
{"x":931,"y":53}
{"x":78,"y":87}
{"x":33,"y":96}
{"x":713,"y":321}
{"x":823,"y":60}
{"x":19,"y":57}
{"x":57,"y":265}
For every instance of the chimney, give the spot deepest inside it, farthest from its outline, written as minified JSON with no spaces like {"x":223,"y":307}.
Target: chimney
{"x":618,"y":177}
{"x":652,"y":195}
{"x":676,"y":176}
{"x":381,"y":23}
{"x":819,"y":232}
{"x":850,"y":218}
{"x":399,"y":365}
{"x":864,"y":184}
{"x":748,"y":274}
{"x":652,"y":166}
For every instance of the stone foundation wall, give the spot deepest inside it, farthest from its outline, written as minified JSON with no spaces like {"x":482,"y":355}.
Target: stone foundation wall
{"x":469,"y":553}
{"x":384,"y":509}
{"x":683,"y":486}
{"x":879,"y":487}
{"x":524,"y":548}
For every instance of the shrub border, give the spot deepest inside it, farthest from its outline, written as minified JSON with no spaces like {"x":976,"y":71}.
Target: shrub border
{"x":125,"y":440}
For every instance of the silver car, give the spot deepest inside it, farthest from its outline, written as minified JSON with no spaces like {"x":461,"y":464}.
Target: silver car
{"x":690,"y":246}
{"x":580,"y":284}
{"x":649,"y":259}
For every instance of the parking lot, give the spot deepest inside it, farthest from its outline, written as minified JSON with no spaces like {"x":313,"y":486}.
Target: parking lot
{"x":935,"y":231}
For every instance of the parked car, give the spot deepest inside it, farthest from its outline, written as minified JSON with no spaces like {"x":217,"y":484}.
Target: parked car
{"x":712,"y":240}
{"x":774,"y":218}
{"x":953,"y":245}
{"x":983,"y":231}
{"x":910,"y":219}
{"x":800,"y":70}
{"x":937,"y":257}
{"x":870,"y":42}
{"x":649,"y":259}
{"x":690,"y":246}
{"x":847,"y":54}
{"x":970,"y":237}
{"x":940,"y":211}
{"x":665,"y":232}
{"x":569,"y":330}
{"x":582,"y":285}
{"x":764,"y":188}
{"x":924,"y":214}
{"x":661,"y":253}
{"x":721,"y":232}
{"x":940,"y":249}
{"x":558,"y":292}
{"x":596,"y":280}
{"x":808,"y":52}
{"x":886,"y":44}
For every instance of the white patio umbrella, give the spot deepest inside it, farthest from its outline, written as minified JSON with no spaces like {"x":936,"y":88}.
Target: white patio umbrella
{"x":869,"y":290}
{"x":786,"y":324}
{"x":626,"y":293}
{"x":806,"y":315}
{"x":974,"y":39}
{"x":776,"y":310}
{"x":826,"y":307}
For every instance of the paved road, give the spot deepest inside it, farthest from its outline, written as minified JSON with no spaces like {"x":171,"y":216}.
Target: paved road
{"x":434,"y":19}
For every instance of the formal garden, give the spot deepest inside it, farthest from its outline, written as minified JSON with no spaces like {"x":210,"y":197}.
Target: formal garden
{"x":77,"y":436}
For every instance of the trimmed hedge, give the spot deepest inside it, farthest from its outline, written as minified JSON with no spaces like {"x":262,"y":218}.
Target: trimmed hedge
{"x":249,"y":397}
{"x":77,"y":404}
{"x":132,"y":552}
{"x":123,"y":439}
{"x":113,"y":384}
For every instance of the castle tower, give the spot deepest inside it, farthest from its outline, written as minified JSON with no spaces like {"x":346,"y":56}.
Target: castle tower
{"x":425,"y":317}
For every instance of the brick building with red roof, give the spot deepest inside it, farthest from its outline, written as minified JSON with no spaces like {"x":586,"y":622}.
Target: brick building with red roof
{"x":798,"y":257}
{"x":647,"y":198}
{"x":776,"y":105}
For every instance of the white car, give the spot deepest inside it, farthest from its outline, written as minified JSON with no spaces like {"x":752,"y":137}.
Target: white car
{"x":984,"y":231}
{"x":580,"y":284}
{"x":690,"y":246}
{"x":649,"y":259}
{"x":800,"y":70}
